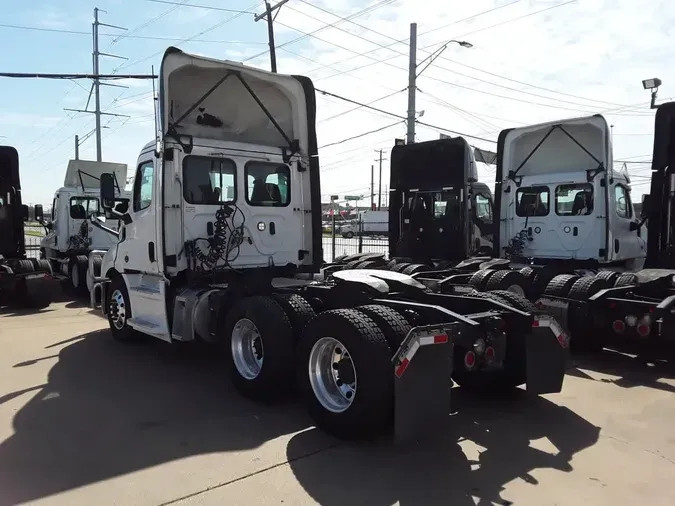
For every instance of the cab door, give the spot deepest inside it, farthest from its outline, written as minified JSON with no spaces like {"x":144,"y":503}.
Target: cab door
{"x":138,"y":249}
{"x":627,"y":244}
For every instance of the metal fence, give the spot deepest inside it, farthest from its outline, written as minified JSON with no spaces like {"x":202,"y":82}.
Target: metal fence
{"x":334,"y":243}
{"x":33,"y":234}
{"x":348,"y":238}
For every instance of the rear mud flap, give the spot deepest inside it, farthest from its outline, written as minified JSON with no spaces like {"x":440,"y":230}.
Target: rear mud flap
{"x":422,"y":371}
{"x":547,"y":356}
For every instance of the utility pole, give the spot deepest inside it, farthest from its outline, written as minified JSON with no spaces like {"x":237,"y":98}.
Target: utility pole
{"x":372,"y":187}
{"x":379,"y":189}
{"x":269,"y":9}
{"x":412,"y":77}
{"x":413,"y":74}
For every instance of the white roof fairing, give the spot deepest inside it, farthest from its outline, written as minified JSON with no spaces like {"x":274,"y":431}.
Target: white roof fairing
{"x":186,"y":78}
{"x":88,"y":173}
{"x":558,"y":153}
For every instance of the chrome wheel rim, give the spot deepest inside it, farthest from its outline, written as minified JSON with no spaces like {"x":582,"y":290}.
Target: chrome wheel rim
{"x":118,"y":310}
{"x":332,"y":374}
{"x":247,"y":349}
{"x":516,"y":289}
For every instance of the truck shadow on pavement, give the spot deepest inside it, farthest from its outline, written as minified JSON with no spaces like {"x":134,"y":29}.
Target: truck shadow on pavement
{"x":632,"y":364}
{"x":109,"y":409}
{"x":496,"y":433}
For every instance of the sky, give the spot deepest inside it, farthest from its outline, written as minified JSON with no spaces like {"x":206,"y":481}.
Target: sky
{"x":531,"y":61}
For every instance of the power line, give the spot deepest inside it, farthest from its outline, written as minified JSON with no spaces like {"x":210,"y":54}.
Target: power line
{"x":114,"y":35}
{"x":434,"y":127}
{"x":208,"y":7}
{"x":363,"y":134}
{"x":111,"y":77}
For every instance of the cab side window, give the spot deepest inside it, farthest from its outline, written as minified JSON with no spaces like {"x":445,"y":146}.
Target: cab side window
{"x":143,"y":185}
{"x":622,"y":202}
{"x":483,"y":208}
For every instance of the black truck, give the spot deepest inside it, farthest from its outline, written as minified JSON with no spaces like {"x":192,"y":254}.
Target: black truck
{"x":22,"y":279}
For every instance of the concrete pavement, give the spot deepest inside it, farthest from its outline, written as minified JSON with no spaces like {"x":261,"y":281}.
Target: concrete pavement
{"x":86,"y":420}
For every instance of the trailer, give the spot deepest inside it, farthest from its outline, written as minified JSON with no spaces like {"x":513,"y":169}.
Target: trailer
{"x":75,"y":229}
{"x":23,"y":281}
{"x":222,"y":243}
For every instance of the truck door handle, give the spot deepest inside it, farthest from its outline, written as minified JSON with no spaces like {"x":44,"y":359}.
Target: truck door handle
{"x":575,"y":231}
{"x":273,"y":228}
{"x":151,"y":251}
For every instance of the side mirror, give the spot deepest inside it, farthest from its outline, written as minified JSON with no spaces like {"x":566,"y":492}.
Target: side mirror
{"x":24,"y":212}
{"x":107,"y":190}
{"x":647,"y":204}
{"x":38,"y":214}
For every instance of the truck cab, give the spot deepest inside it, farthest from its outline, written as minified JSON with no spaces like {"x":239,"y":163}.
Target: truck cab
{"x":559,"y":199}
{"x":229,"y":188}
{"x":438,"y":210}
{"x":71,"y":234}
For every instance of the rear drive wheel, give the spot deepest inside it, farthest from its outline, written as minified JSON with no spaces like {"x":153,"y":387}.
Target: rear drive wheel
{"x":560,"y":285}
{"x":392,"y":323}
{"x":259,"y":348}
{"x":511,"y":281}
{"x":414,"y":269}
{"x":609,"y":277}
{"x":298,"y":310}
{"x":400,"y":267}
{"x":119,"y":311}
{"x":516,"y":301}
{"x":479,"y":279}
{"x":626,"y":279}
{"x":345,"y":374}
{"x":587,"y":338}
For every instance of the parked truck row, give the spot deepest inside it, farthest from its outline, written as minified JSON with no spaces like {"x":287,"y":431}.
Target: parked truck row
{"x":221,"y":243}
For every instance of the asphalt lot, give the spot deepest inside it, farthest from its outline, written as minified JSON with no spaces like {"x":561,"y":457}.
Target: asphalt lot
{"x":85,"y":420}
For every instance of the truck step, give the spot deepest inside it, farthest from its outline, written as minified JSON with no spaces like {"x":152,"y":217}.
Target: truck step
{"x":145,"y":289}
{"x":149,"y":327}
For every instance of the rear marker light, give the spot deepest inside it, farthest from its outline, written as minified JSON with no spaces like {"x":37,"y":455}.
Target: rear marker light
{"x":470,"y":360}
{"x":489,"y":354}
{"x":618,"y":326}
{"x":643,"y":330}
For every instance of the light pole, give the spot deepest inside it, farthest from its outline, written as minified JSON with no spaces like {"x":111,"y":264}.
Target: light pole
{"x":653,"y":85}
{"x":413,"y":74}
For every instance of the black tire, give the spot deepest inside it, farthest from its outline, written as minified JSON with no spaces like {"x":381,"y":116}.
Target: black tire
{"x":80,"y":263}
{"x":528,"y":273}
{"x":586,"y":338}
{"x":371,"y":410}
{"x":352,"y":264}
{"x":506,"y":280}
{"x":275,"y":377}
{"x":349,"y":235}
{"x":298,"y":310}
{"x":585,"y":287}
{"x":120,"y":330}
{"x":609,"y":277}
{"x":479,"y":279}
{"x":368,"y":264}
{"x":414,"y":269}
{"x":24,"y":266}
{"x":560,"y":285}
{"x":340,"y":258}
{"x":392,"y":323}
{"x":390,"y":264}
{"x":400,"y":267}
{"x":626,"y":279}
{"x":97,"y":262}
{"x":516,"y":301}
{"x":541,"y":280}
{"x":42,"y":265}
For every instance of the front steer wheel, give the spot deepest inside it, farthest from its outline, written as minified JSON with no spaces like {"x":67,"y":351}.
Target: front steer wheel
{"x":345,"y":374}
{"x":258,"y":344}
{"x":119,"y":311}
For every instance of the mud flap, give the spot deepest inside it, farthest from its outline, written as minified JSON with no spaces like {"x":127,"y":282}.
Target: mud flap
{"x":39,"y":288}
{"x":422,"y":368}
{"x":547,"y":356}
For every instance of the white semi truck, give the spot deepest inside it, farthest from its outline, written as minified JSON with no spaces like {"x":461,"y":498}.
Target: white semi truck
{"x":222,"y":243}
{"x":70,"y":234}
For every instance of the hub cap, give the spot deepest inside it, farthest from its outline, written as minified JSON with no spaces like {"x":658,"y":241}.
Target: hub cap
{"x":516,"y":289}
{"x":332,"y":374}
{"x":118,"y":310}
{"x":247,"y":349}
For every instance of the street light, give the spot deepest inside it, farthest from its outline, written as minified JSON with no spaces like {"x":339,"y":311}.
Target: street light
{"x":438,"y":52}
{"x":652,"y":84}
